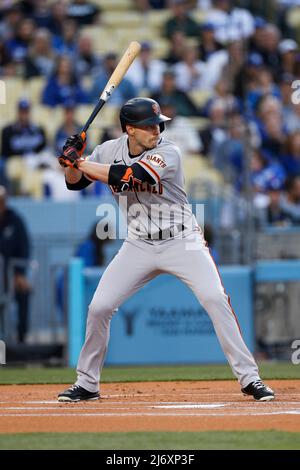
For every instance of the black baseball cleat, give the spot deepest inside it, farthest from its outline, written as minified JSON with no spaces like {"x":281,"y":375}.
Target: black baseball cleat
{"x":76,"y":393}
{"x":259,"y":391}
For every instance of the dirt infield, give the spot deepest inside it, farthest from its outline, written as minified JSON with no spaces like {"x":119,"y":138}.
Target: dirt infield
{"x":150,"y":406}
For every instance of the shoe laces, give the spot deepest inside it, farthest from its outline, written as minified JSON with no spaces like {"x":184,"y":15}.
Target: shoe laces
{"x":258,"y":384}
{"x":74,"y":387}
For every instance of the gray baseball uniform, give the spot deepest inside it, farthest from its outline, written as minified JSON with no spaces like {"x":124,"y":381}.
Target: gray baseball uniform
{"x":152,"y":211}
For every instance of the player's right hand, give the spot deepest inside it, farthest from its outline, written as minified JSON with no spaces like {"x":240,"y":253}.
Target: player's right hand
{"x":77,"y":141}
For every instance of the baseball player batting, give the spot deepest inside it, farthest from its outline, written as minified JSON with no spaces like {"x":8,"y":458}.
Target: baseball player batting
{"x":163,"y":237}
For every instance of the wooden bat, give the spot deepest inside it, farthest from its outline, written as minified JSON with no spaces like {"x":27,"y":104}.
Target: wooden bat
{"x":116,"y":77}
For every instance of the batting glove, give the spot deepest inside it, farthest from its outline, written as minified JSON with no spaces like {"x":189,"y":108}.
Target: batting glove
{"x":70,"y":158}
{"x":77,"y":141}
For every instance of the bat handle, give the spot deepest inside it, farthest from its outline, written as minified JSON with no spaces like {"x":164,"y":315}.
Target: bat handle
{"x":96,"y":110}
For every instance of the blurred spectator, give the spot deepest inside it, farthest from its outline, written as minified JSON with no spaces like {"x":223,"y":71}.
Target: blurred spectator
{"x":42,"y":13}
{"x":285,"y":87}
{"x":292,"y":118}
{"x":12,"y":17}
{"x":208,"y":43}
{"x":183,"y":104}
{"x":40,"y":58}
{"x":247,"y":78}
{"x":230,"y":23}
{"x":290,"y":108}
{"x":275,"y":215}
{"x":86,"y":61}
{"x":58,"y":17}
{"x":112,"y":132}
{"x":227,"y":150}
{"x":265,"y":173}
{"x":290,"y":200}
{"x":291,"y":154}
{"x":269,"y":48}
{"x":27,"y":6}
{"x":66,"y":42}
{"x":222,"y":93}
{"x":180,"y":131}
{"x":22,"y":137}
{"x":18,"y":45}
{"x":270,"y":125}
{"x":264,"y":86}
{"x":288,"y":49}
{"x":235,"y":61}
{"x":180,"y":20}
{"x":91,"y":250}
{"x":54,"y":184}
{"x":281,"y":12}
{"x":256,"y":41}
{"x":191,"y":73}
{"x":84,"y":12}
{"x":177,"y":48}
{"x":14,"y":248}
{"x":122,"y":93}
{"x":146,"y":73}
{"x":7,"y":68}
{"x":63,"y":85}
{"x":214,"y":134}
{"x":69,"y":127}
{"x":209,"y":237}
{"x":143,"y":6}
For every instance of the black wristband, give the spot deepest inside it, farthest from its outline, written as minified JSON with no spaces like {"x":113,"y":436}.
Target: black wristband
{"x":81,"y":184}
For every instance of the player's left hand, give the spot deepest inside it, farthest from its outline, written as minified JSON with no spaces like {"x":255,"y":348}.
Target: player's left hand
{"x":70,"y":158}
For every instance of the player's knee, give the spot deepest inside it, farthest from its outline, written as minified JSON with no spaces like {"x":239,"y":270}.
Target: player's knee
{"x":216,"y":299}
{"x":99,"y":310}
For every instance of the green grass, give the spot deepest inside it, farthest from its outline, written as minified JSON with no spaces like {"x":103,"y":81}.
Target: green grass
{"x":37,"y":375}
{"x":262,"y":440}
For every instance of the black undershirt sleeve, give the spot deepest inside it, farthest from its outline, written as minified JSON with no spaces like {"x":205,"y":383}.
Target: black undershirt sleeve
{"x":123,"y":173}
{"x":81,"y":184}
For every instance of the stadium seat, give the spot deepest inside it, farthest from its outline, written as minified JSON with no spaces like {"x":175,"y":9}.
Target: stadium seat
{"x":157,"y":18}
{"x":31,"y":183}
{"x":94,"y":136}
{"x":34,"y":88}
{"x":161,"y":47}
{"x":15,"y":168}
{"x":48,"y":118}
{"x":83,"y":112}
{"x":102,"y":38}
{"x":198,"y":122}
{"x":200,"y":97}
{"x":15,"y":89}
{"x":199,"y":15}
{"x":122,"y":19}
{"x":198,"y":173}
{"x":293,"y":17}
{"x":114,"y":5}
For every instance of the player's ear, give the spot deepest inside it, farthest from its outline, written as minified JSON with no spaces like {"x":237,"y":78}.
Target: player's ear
{"x":130,"y":129}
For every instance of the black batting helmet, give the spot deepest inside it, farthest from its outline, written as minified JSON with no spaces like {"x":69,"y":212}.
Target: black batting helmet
{"x":143,"y":112}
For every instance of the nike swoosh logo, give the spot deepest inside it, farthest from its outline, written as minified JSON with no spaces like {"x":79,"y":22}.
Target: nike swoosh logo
{"x":117,"y":161}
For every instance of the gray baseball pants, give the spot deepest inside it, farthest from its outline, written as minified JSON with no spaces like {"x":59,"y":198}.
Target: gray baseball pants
{"x":139,"y":261}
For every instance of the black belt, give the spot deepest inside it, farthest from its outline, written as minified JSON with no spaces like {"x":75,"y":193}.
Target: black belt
{"x":166,"y":233}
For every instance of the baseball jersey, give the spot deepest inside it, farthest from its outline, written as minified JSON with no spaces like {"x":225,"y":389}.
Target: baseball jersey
{"x":149,"y":208}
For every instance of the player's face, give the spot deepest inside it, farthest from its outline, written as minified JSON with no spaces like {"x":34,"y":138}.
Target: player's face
{"x":145,"y":137}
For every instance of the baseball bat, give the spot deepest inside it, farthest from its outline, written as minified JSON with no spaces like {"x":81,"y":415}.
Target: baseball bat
{"x":116,"y":77}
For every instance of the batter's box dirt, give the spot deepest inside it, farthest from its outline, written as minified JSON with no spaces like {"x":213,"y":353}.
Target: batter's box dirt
{"x":150,"y":406}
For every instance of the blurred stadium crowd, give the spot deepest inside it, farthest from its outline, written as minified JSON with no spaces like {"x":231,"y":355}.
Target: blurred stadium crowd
{"x":223,"y":70}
